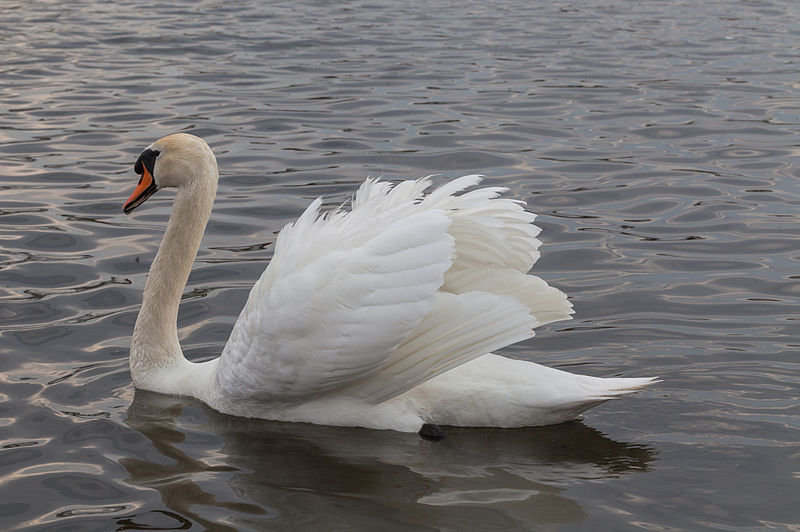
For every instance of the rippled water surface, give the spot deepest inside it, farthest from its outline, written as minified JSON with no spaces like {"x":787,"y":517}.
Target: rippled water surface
{"x":657,"y":140}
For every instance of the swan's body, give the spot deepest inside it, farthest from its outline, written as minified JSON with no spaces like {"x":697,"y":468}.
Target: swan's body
{"x":379,"y":317}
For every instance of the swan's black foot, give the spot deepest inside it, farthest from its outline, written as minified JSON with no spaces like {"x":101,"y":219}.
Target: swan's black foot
{"x":431,"y":432}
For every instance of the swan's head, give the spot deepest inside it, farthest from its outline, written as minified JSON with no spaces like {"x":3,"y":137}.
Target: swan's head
{"x":179,"y":160}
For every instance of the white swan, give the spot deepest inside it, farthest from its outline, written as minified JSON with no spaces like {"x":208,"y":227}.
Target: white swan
{"x":380,"y":317}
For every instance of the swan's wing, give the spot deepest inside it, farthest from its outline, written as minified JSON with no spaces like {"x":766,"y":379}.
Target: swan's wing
{"x":487,"y":301}
{"x":546,"y":303}
{"x":341,"y":293}
{"x":460,"y":328}
{"x":490,"y":232}
{"x":350,"y":303}
{"x":496,"y":245}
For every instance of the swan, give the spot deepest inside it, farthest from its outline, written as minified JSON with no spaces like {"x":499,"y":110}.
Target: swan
{"x":382,"y":316}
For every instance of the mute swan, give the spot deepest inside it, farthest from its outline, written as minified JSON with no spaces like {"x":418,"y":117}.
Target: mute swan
{"x":381,"y":317}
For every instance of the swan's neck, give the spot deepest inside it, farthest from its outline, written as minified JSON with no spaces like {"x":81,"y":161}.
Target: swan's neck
{"x":156,"y":354}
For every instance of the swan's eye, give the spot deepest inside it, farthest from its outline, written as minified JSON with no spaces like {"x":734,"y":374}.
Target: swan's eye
{"x":146,"y":160}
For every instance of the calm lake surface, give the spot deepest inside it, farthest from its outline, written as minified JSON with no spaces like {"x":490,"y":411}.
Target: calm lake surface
{"x":657,"y":140}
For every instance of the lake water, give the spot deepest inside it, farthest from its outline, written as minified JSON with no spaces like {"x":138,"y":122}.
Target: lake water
{"x":657,"y":140}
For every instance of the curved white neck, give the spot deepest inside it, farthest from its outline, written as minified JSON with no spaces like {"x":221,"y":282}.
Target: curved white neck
{"x":155,"y":350}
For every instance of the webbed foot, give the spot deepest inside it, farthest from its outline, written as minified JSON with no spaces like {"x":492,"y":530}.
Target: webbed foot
{"x":431,"y":432}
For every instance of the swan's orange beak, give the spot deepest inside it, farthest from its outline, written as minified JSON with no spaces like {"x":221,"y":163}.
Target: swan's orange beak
{"x":146,"y":188}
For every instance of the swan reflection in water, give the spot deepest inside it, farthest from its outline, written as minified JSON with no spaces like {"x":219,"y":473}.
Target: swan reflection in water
{"x":226,"y":472}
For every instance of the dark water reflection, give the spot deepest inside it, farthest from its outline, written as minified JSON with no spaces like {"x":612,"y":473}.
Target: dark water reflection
{"x":291,"y":476}
{"x":657,"y":141}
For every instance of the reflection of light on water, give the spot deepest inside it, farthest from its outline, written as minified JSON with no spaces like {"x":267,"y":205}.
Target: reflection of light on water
{"x":488,"y":496}
{"x":525,"y":505}
{"x":63,"y":514}
{"x":55,"y":467}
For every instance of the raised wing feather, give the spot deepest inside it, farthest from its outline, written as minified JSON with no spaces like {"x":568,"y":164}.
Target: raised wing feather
{"x":544,"y":302}
{"x":490,"y":232}
{"x":340,"y":294}
{"x":358,"y":302}
{"x":460,"y":328}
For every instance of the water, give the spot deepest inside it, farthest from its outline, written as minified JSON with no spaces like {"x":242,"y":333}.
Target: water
{"x":658,"y":141}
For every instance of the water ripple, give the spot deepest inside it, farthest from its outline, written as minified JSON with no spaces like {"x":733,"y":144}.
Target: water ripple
{"x":657,"y":141}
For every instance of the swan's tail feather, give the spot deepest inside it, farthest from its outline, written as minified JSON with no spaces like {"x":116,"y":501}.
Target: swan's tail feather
{"x":594,"y":391}
{"x":604,"y":388}
{"x":497,"y":391}
{"x":628,"y":385}
{"x":585,"y":392}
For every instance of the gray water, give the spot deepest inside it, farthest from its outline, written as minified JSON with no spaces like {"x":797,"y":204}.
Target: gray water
{"x":657,"y":140}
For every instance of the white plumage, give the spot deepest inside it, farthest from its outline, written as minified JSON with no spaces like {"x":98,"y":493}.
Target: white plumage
{"x":382,"y":316}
